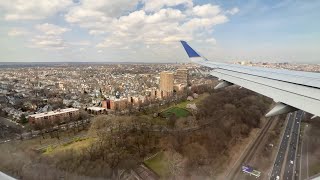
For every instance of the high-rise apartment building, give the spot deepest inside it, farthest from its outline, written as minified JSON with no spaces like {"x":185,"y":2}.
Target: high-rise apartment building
{"x":166,"y":83}
{"x":181,"y":76}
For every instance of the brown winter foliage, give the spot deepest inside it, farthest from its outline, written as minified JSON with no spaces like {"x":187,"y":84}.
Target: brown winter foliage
{"x":225,"y":117}
{"x":119,"y":143}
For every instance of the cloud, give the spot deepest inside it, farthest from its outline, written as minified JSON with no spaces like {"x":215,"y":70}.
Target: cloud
{"x":155,"y":5}
{"x":233,"y":11}
{"x":139,"y":27}
{"x":99,"y":14}
{"x":80,"y":43}
{"x":166,"y":26}
{"x":96,"y":32}
{"x":50,"y":37}
{"x":204,"y":23}
{"x":17,"y":32}
{"x":211,"y":40}
{"x":206,"y":10}
{"x":48,"y":42}
{"x":120,"y":24}
{"x":32,"y":9}
{"x":51,"y":29}
{"x":155,"y":22}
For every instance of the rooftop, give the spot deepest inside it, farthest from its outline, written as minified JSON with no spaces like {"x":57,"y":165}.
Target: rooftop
{"x":52,"y":113}
{"x":96,"y":108}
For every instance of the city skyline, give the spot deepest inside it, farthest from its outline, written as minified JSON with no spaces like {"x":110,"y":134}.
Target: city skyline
{"x":149,"y":31}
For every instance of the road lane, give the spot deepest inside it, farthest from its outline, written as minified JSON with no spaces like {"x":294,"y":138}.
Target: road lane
{"x":292,"y":152}
{"x":282,"y":150}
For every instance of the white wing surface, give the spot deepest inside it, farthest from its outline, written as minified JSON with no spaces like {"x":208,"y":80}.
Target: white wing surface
{"x":291,"y":90}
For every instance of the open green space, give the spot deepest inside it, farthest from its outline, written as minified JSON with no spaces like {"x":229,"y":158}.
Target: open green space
{"x":183,"y":104}
{"x":178,"y":112}
{"x":159,"y":164}
{"x":76,"y":144}
{"x":314,"y":169}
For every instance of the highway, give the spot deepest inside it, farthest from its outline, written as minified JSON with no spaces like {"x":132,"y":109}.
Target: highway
{"x":275,"y":174}
{"x":292,"y":151}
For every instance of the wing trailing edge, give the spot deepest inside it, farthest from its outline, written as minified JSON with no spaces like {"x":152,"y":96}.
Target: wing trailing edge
{"x":292,"y":90}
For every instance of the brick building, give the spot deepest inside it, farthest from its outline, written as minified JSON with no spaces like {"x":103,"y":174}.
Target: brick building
{"x":181,"y":76}
{"x":54,"y":116}
{"x":166,"y":84}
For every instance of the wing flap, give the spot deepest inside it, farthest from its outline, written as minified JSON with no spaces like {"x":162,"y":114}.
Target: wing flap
{"x":279,"y":95}
{"x":298,"y":89}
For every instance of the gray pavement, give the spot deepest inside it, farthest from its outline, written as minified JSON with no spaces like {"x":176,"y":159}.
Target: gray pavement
{"x":276,"y":171}
{"x":290,"y":162}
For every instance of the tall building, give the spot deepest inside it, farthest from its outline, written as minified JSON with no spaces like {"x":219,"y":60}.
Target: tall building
{"x":181,"y":76}
{"x":166,"y":83}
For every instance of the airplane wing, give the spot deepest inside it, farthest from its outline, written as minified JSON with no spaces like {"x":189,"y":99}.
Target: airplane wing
{"x":291,"y":90}
{"x":5,"y":177}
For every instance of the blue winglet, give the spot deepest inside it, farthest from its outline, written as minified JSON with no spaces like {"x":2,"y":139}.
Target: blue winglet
{"x":191,"y":53}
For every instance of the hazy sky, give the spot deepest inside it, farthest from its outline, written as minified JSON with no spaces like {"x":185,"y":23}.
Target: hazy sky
{"x":150,"y":30}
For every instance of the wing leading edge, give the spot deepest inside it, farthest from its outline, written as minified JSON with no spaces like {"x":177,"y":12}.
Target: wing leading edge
{"x":291,"y":90}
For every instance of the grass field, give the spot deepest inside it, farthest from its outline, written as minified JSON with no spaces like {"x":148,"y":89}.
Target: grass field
{"x":76,"y":144}
{"x":314,"y":169}
{"x":179,"y":112}
{"x":159,"y":165}
{"x":201,"y":97}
